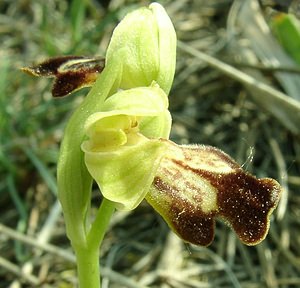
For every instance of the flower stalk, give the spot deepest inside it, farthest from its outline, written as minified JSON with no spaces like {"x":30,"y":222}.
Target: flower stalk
{"x":87,"y":257}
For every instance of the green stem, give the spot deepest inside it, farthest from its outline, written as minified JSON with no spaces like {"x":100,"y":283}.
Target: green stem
{"x":88,"y":256}
{"x":88,"y":267}
{"x":100,"y":224}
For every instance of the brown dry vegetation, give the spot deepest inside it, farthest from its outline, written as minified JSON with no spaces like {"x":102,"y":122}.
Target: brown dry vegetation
{"x":210,"y":105}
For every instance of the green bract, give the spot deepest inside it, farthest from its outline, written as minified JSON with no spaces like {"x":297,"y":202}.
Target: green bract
{"x":123,"y":151}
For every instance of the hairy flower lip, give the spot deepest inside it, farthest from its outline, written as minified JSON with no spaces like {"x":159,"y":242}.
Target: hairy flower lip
{"x":241,"y":200}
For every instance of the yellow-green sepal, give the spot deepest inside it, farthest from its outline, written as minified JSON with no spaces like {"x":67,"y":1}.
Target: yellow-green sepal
{"x":125,"y":175}
{"x":167,"y":42}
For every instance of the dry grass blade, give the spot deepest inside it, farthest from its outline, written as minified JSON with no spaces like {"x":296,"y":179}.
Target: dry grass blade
{"x":32,"y":241}
{"x":284,"y":108}
{"x":250,"y":21}
{"x":113,"y":276}
{"x":16,"y":270}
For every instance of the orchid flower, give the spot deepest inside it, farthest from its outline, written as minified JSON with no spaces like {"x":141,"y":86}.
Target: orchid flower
{"x":119,"y":137}
{"x":129,"y":155}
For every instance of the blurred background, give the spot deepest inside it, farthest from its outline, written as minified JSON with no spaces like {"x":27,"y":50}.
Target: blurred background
{"x":240,"y":93}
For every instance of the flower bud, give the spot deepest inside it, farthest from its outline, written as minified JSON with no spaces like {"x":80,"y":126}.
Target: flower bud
{"x":147,"y":40}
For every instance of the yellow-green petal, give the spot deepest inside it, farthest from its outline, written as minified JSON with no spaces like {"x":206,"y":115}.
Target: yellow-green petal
{"x":150,"y":104}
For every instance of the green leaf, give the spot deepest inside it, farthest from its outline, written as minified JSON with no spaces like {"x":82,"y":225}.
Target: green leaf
{"x":74,"y":181}
{"x":286,"y":28}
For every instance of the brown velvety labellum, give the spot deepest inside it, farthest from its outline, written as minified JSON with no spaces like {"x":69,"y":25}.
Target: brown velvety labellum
{"x":196,"y":184}
{"x":249,"y":205}
{"x":190,"y":224}
{"x":71,"y":72}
